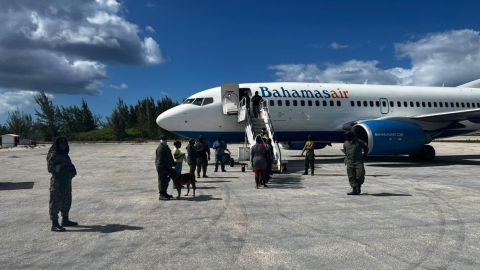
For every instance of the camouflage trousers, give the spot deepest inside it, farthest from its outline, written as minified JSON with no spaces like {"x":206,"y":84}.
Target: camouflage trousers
{"x":60,"y":197}
{"x":202,"y":163}
{"x":163,"y":180}
{"x":356,"y":174}
{"x":310,"y":162}
{"x":193,"y":166}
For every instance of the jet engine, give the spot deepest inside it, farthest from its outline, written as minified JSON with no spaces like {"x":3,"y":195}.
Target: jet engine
{"x":389,"y":137}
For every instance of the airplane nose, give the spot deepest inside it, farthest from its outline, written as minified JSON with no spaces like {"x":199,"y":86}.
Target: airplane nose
{"x":168,"y":120}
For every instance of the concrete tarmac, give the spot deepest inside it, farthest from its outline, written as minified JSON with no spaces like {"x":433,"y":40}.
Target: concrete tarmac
{"x":411,"y":215}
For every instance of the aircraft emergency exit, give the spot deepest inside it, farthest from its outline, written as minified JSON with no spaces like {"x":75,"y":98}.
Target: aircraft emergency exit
{"x":392,"y":120}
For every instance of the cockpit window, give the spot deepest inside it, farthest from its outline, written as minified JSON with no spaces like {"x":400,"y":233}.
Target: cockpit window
{"x":188,"y":101}
{"x":198,"y":101}
{"x":207,"y":100}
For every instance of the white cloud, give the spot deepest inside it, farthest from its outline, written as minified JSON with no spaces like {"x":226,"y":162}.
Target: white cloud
{"x":150,"y":29}
{"x":62,"y":46}
{"x":337,"y":46}
{"x":151,"y":5}
{"x":451,"y":58}
{"x":164,"y":93}
{"x":11,"y":100}
{"x":122,"y":86}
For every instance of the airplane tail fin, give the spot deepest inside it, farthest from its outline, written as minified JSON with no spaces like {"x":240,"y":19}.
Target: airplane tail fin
{"x":472,"y":84}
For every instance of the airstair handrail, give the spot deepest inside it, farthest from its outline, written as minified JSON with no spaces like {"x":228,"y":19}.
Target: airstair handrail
{"x":249,"y":134}
{"x":271,"y":132}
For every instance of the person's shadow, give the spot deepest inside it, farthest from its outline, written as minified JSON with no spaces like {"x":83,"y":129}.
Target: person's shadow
{"x":109,"y":228}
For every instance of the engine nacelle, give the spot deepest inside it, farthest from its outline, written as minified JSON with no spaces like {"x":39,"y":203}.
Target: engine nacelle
{"x":389,"y":137}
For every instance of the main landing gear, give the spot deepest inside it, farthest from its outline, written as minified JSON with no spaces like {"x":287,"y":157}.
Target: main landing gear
{"x":426,"y":154}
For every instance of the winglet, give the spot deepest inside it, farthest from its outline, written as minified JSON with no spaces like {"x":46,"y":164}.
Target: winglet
{"x":473,"y":84}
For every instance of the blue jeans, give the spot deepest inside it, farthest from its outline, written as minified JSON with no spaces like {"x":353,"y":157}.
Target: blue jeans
{"x":178,"y":169}
{"x":219,"y":158}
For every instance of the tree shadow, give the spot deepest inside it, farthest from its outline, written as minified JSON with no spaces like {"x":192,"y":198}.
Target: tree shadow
{"x":15,"y":186}
{"x":289,"y":182}
{"x":386,"y":194}
{"x":109,"y":228}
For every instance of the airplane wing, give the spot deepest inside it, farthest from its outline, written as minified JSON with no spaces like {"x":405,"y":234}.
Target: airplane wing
{"x":444,"y":116}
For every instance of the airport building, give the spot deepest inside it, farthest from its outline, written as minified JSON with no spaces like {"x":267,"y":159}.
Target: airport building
{"x":10,"y":140}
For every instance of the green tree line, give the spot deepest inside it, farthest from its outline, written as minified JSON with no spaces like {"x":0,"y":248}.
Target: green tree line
{"x":126,"y":122}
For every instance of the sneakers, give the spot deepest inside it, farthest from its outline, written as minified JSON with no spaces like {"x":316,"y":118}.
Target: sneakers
{"x":224,"y":171}
{"x":205,"y":176}
{"x":163,"y":198}
{"x":68,"y":223}
{"x":215,"y":171}
{"x":305,"y":173}
{"x":56,"y":227}
{"x":353,"y":192}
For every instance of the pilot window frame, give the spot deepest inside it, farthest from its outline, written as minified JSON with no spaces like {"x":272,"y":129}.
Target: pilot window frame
{"x":272,"y":102}
{"x":185,"y":101}
{"x":310,"y":103}
{"x":279,"y":102}
{"x":207,"y":100}
{"x":195,"y":102}
{"x":287,"y":102}
{"x":295,"y":103}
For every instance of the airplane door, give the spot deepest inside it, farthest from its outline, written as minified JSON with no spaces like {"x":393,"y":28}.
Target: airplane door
{"x":230,"y":98}
{"x":384,"y":107}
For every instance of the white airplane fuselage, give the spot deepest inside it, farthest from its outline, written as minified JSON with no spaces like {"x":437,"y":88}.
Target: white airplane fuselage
{"x":322,"y":110}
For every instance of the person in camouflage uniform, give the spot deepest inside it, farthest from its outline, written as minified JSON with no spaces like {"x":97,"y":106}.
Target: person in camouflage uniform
{"x":164,"y":163}
{"x":354,"y":159}
{"x":310,"y":156}
{"x":60,"y":166}
{"x":192,"y":155}
{"x":203,"y":156}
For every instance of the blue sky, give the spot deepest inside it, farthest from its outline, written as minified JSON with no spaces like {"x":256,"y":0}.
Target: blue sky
{"x":206,"y":43}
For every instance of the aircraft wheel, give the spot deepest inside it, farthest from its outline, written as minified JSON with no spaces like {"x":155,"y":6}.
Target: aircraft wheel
{"x":243,"y":168}
{"x":428,"y":153}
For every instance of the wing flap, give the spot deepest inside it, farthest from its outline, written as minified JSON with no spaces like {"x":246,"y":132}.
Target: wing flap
{"x":448,"y":116}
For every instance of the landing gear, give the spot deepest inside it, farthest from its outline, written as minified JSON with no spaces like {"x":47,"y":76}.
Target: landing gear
{"x":426,"y":154}
{"x":232,"y":162}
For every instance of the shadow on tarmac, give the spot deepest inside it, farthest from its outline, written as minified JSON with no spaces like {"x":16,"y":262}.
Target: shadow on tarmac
{"x":15,"y":186}
{"x":212,"y":181}
{"x":199,"y":198}
{"x":226,"y":177}
{"x":290,"y":182}
{"x":386,"y":194}
{"x":204,"y":188}
{"x":109,"y":228}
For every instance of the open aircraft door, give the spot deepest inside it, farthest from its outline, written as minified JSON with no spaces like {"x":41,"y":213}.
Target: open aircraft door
{"x":230,"y":98}
{"x":384,"y":107}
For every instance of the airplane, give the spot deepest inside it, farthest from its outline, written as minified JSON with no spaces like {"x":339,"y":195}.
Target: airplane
{"x":391,"y":119}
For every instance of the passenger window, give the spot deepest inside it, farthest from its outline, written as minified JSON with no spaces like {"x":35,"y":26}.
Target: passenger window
{"x":391,"y":104}
{"x":279,"y":103}
{"x":418,"y":104}
{"x":468,"y":105}
{"x":317,"y":103}
{"x":365,"y":104}
{"x":458,"y":105}
{"x":371,"y":103}
{"x":429,"y":104}
{"x":463,"y":105}
{"x":384,"y":103}
{"x":452,"y":104}
{"x":435,"y":104}
{"x":352,"y":103}
{"x":423,"y":103}
{"x":473,"y":105}
{"x":188,"y":101}
{"x":295,"y":103}
{"x":339,"y":103}
{"x":359,"y":103}
{"x":287,"y":102}
{"x":324,"y":103}
{"x":272,"y":103}
{"x":399,"y":104}
{"x":198,"y":101}
{"x":446,"y":104}
{"x":412,"y":104}
{"x":478,"y":105}
{"x":207,"y":101}
{"x":302,"y":102}
{"x":377,"y":103}
{"x":331,"y":103}
{"x":441,"y":104}
{"x":405,"y":104}
{"x":310,"y":103}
